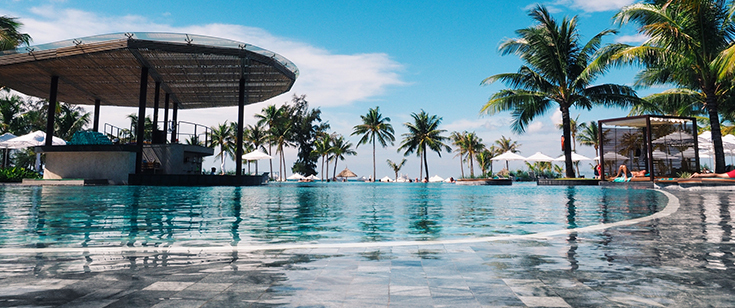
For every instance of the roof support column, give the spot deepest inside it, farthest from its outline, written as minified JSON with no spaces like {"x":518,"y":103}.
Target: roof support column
{"x":140,"y":130}
{"x":96,"y":123}
{"x":240,"y":121}
{"x":156,"y":98}
{"x":165,"y":112}
{"x":174,"y":124}
{"x":51,"y":110}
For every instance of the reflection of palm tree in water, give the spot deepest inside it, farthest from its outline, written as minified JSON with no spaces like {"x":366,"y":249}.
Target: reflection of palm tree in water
{"x":571,"y":208}
{"x":421,"y":218}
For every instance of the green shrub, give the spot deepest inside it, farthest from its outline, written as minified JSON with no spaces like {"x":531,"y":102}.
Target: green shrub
{"x":17,"y":174}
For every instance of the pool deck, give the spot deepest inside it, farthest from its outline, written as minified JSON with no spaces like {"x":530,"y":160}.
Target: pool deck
{"x":684,"y":258}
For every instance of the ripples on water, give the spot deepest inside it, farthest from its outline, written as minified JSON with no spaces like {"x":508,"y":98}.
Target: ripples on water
{"x":313,"y":212}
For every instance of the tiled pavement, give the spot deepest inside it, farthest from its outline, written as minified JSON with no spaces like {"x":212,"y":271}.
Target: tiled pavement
{"x":684,"y":260}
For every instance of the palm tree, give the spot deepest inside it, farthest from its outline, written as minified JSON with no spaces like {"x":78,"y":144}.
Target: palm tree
{"x":574,"y":128}
{"x":458,"y":140}
{"x":222,"y":137}
{"x":256,"y":136}
{"x":340,"y":148}
{"x":690,"y":45}
{"x":69,"y":120}
{"x":474,"y":146}
{"x":11,"y":111}
{"x":557,"y":71}
{"x":424,"y":133}
{"x":323,"y":147}
{"x":270,"y":116}
{"x":374,"y":126}
{"x":590,"y":135}
{"x":281,"y":137}
{"x":10,"y":38}
{"x":507,"y":145}
{"x":396,"y":167}
{"x":484,"y":160}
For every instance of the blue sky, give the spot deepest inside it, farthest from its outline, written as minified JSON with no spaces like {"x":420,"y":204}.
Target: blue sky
{"x":403,"y":56}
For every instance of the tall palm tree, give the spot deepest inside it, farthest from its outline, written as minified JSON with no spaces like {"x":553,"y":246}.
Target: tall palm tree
{"x":69,"y":120}
{"x":340,"y":148}
{"x":323,"y":147}
{"x":484,"y":160}
{"x":690,"y":45}
{"x":374,"y":127}
{"x":557,"y":72}
{"x":423,"y":134}
{"x":256,"y":137}
{"x":11,"y":112}
{"x":222,"y":137}
{"x":281,"y":136}
{"x":270,"y":117}
{"x":507,"y":145}
{"x":458,"y":141}
{"x":10,"y":37}
{"x":396,"y":167}
{"x":474,"y":146}
{"x":590,"y":135}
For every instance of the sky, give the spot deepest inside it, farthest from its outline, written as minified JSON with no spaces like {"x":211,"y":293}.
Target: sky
{"x":401,"y":56}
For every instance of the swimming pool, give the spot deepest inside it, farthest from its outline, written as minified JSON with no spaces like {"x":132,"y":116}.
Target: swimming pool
{"x":135,"y":216}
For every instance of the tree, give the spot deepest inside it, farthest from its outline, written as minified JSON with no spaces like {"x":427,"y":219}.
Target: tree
{"x":323,"y":147}
{"x":11,"y":112}
{"x":484,"y":160}
{"x":590,"y":135}
{"x":69,"y":120}
{"x":270,"y":116}
{"x":374,"y":127}
{"x":340,"y":148}
{"x":573,"y":129}
{"x":458,"y":140}
{"x":557,"y":71}
{"x":10,"y":37}
{"x":307,"y":125}
{"x":396,"y":167}
{"x":423,"y":134}
{"x":506,"y":145}
{"x":222,"y":137}
{"x":256,"y":137}
{"x":690,"y":45}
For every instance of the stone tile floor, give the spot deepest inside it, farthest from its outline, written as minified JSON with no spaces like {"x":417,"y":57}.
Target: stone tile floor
{"x":683,"y":260}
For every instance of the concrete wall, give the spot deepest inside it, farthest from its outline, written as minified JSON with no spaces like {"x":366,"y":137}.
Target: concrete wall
{"x":113,"y":166}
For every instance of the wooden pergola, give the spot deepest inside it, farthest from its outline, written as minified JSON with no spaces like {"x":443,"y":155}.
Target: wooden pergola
{"x":127,"y":69}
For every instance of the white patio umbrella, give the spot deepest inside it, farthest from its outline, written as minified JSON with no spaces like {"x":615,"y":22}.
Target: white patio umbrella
{"x":386,"y":179}
{"x":612,"y":156}
{"x":575,"y":157}
{"x":435,"y":179}
{"x":539,"y":157}
{"x":33,"y":139}
{"x":5,"y":137}
{"x":295,"y":176}
{"x":312,"y":177}
{"x":256,"y":156}
{"x":675,"y":138}
{"x":508,"y":156}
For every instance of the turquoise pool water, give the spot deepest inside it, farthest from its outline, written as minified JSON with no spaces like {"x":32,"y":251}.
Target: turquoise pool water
{"x":114,"y":216}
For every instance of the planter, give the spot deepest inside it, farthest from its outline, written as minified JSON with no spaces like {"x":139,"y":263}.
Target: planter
{"x":568,"y":182}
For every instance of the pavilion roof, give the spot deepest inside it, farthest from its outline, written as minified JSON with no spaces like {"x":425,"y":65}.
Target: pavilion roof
{"x":197,"y":71}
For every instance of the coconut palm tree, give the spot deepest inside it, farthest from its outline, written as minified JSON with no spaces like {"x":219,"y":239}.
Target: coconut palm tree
{"x":396,"y":167}
{"x":507,"y":145}
{"x":484,"y":160}
{"x":557,"y":73}
{"x":10,"y":37}
{"x":474,"y":146}
{"x":323,"y":147}
{"x":270,"y":117}
{"x":458,"y":140}
{"x":69,"y":120}
{"x":590,"y":135}
{"x":690,"y":45}
{"x":340,"y":148}
{"x":222,"y":137}
{"x":423,"y":134}
{"x":374,"y":127}
{"x":255,"y":137}
{"x":11,"y":115}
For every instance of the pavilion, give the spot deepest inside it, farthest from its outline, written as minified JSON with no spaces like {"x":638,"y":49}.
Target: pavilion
{"x":128,"y":69}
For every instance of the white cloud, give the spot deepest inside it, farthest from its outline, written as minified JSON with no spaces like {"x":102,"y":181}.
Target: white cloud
{"x":556,"y":117}
{"x":631,"y":39}
{"x":534,"y":127}
{"x":598,"y":5}
{"x":485,"y":124}
{"x":328,"y":79}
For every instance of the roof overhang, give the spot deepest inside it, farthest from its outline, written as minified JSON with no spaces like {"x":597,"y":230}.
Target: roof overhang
{"x":196,"y":71}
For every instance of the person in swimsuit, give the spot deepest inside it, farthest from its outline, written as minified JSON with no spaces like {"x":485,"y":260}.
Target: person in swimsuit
{"x":727,"y":175}
{"x":623,"y":169}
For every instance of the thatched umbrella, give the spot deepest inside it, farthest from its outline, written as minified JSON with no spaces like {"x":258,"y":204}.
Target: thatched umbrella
{"x":347,"y":173}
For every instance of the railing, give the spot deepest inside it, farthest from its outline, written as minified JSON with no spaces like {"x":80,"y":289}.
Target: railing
{"x":192,"y":133}
{"x":114,"y":132}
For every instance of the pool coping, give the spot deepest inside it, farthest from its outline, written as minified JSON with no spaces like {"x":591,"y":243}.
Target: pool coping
{"x":672,"y":207}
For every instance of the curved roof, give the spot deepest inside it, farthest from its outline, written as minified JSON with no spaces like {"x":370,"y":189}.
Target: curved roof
{"x":198,"y":71}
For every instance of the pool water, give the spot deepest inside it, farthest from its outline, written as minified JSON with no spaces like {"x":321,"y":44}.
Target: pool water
{"x":115,"y":216}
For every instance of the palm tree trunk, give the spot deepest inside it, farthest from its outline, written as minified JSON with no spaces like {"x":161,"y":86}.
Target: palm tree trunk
{"x":222,"y":162}
{"x":461,"y":165}
{"x":374,"y":158}
{"x":270,"y":152}
{"x":323,"y":168}
{"x":566,"y":122}
{"x":327,"y":167}
{"x":334,"y":174}
{"x":714,"y":122}
{"x":426,"y":164}
{"x":472,"y":166}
